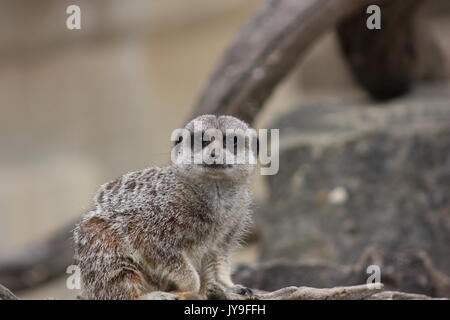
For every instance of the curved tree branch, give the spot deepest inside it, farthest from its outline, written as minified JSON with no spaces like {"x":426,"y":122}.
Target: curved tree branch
{"x":265,"y":51}
{"x":359,"y":292}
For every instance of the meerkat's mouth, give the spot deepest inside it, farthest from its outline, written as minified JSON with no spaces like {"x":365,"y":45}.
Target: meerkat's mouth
{"x":217,"y":166}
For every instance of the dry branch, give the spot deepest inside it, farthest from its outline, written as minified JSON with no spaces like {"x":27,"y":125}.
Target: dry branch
{"x":306,"y":293}
{"x":359,"y":292}
{"x":5,"y":294}
{"x":265,"y":51}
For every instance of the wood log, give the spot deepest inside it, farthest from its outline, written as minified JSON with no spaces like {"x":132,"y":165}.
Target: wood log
{"x":265,"y":51}
{"x":359,"y":292}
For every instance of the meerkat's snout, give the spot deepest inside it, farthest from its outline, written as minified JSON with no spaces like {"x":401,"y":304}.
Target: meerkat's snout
{"x":213,"y":154}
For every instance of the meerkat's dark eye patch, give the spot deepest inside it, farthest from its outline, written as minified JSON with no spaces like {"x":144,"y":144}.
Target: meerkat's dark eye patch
{"x":181,"y":136}
{"x":211,"y":135}
{"x":231,"y":142}
{"x":205,"y":141}
{"x":253,"y":143}
{"x":178,"y":141}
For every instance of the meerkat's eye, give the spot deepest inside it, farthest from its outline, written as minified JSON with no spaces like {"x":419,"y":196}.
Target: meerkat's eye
{"x":205,"y":141}
{"x":252,"y":143}
{"x":180,"y":138}
{"x":234,"y":145}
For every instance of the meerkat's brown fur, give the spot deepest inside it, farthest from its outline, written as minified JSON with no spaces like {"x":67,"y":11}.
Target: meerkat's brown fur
{"x":166,"y":229}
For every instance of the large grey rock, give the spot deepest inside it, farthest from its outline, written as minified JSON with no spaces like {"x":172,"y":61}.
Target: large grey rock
{"x":354,"y":174}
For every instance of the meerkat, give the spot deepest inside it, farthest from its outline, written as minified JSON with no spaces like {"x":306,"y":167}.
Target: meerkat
{"x":172,"y":228}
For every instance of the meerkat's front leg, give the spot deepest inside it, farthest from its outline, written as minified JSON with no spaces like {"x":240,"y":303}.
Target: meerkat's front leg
{"x":224,"y":276}
{"x":216,"y":277}
{"x":223,"y":270}
{"x":176,"y":274}
{"x":210,"y":286}
{"x":182,"y":274}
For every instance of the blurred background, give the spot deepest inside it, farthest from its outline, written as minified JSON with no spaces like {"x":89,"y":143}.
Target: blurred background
{"x":81,"y":107}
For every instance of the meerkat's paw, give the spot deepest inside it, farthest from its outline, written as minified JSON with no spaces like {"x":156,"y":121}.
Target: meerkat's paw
{"x":215,"y":291}
{"x":241,"y":290}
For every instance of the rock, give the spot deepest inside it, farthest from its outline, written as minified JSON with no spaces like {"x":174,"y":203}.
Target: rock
{"x":355,"y":175}
{"x":276,"y":274}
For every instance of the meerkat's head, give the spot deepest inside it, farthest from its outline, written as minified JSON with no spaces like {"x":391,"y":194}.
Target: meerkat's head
{"x":215,"y":147}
